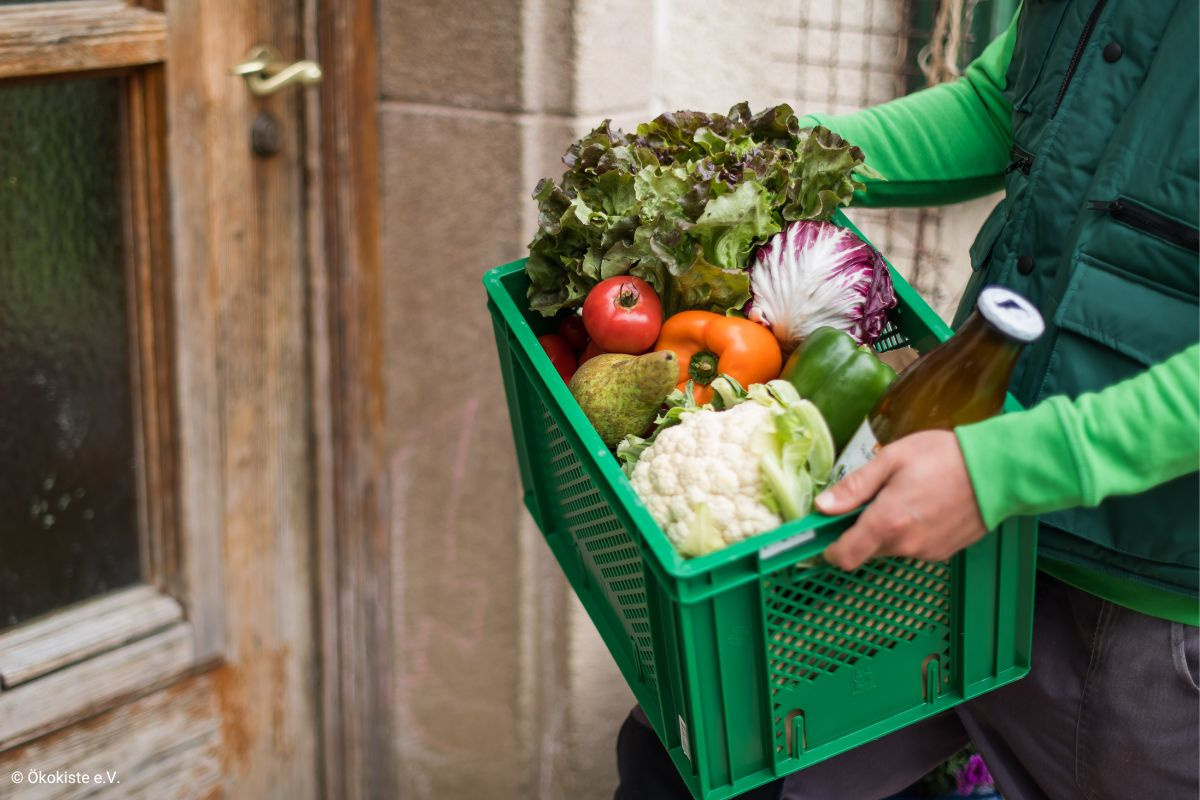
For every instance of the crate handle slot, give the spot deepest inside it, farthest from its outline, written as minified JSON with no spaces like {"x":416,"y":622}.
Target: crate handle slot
{"x":931,"y":670}
{"x":795,"y":733}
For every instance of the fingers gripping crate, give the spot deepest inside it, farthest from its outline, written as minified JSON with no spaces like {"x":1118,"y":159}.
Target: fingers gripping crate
{"x":749,"y":662}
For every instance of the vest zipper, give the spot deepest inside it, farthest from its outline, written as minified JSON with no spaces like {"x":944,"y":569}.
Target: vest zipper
{"x":1142,"y":218}
{"x":1019,"y":160}
{"x":1088,"y":27}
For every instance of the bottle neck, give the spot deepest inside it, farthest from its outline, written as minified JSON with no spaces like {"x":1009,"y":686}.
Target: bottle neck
{"x":995,"y":351}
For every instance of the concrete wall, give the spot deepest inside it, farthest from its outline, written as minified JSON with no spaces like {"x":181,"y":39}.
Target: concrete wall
{"x":505,"y":689}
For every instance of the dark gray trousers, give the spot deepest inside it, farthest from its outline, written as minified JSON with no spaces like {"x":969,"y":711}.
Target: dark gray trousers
{"x":1109,"y":711}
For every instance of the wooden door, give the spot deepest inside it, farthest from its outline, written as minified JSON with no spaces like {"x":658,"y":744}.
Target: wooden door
{"x":182,"y":267}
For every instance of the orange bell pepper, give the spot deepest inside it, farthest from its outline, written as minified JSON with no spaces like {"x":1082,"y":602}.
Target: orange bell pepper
{"x":709,"y":344}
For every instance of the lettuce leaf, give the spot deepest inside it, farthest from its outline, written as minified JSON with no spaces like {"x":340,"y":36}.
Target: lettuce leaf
{"x":682,"y":203}
{"x":706,"y":286}
{"x":733,"y":223}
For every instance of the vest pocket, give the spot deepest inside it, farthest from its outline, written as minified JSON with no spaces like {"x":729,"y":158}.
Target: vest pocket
{"x":1142,"y":322}
{"x":1111,"y":326}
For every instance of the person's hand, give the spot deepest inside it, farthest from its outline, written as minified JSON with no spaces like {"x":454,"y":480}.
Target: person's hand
{"x":924,"y":507}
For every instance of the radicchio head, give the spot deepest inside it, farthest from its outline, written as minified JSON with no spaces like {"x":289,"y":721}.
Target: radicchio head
{"x":816,"y":273}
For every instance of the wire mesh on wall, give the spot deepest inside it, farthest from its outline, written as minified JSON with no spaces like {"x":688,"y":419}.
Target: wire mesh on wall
{"x":856,"y":53}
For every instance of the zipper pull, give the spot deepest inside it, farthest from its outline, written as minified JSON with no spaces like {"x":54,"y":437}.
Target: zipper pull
{"x":1020,"y":160}
{"x":1110,"y":206}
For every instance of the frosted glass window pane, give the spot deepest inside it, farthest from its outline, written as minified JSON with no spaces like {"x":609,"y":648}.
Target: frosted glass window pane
{"x":68,"y":514}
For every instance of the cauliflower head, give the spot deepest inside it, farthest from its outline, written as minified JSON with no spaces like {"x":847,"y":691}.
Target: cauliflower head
{"x":702,"y":479}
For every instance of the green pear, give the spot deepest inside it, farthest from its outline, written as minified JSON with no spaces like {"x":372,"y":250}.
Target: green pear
{"x":621,"y":394}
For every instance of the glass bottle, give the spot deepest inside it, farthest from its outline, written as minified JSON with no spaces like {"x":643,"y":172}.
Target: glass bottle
{"x":963,"y":380}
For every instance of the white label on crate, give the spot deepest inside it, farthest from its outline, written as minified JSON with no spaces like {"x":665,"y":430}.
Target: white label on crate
{"x":861,"y":448}
{"x":775,"y":548}
{"x":683,"y":739}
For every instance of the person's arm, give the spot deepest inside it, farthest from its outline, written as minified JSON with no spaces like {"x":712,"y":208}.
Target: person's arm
{"x":944,"y":144}
{"x":1060,"y":454}
{"x":936,"y":492}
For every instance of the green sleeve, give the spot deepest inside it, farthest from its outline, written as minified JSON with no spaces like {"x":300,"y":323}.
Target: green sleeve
{"x":944,"y":144}
{"x":1061,"y":453}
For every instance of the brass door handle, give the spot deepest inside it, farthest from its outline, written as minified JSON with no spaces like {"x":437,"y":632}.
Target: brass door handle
{"x":266,"y":72}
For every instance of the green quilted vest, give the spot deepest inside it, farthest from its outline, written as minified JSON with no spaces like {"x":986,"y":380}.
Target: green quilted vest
{"x":1099,"y":228}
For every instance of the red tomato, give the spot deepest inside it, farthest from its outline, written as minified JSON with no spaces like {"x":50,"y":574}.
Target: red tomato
{"x":571,"y":328}
{"x":591,"y":351}
{"x":623,"y":315}
{"x":560,"y":354}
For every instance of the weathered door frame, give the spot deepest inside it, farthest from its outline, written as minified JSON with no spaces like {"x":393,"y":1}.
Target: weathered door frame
{"x":351,"y":508}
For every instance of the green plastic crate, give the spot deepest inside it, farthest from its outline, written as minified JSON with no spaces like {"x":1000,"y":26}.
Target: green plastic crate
{"x":749,"y":664}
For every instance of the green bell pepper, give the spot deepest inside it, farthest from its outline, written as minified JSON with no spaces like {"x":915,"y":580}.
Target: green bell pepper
{"x":842,"y":379}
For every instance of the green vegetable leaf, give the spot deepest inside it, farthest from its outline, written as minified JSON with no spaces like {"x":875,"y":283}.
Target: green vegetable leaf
{"x":777,"y":123}
{"x":805,"y":415}
{"x":822,"y":178}
{"x":654,"y":272}
{"x":733,"y":224}
{"x":629,"y":450}
{"x":797,"y":453}
{"x":727,"y":392}
{"x":787,"y":488}
{"x":613,"y":193}
{"x":659,"y":192}
{"x":620,"y":260}
{"x":707,"y":287}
